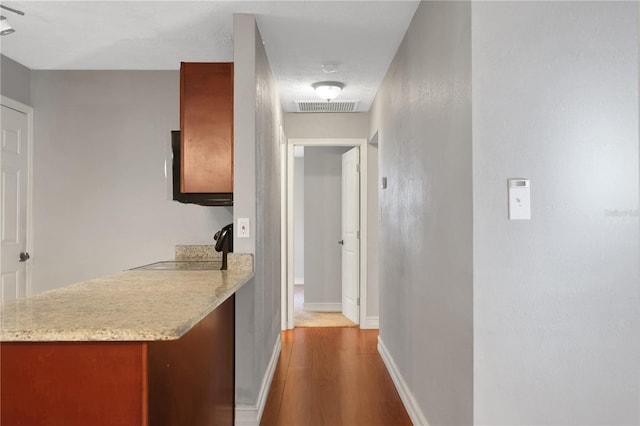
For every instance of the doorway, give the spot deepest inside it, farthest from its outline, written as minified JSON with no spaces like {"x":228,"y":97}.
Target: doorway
{"x":16,"y":158}
{"x":359,"y":296}
{"x":326,"y":220}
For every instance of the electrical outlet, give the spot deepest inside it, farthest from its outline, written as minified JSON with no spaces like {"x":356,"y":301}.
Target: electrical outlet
{"x":243,"y":227}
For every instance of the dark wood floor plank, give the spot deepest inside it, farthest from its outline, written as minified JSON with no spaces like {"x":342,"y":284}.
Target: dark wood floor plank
{"x":297,"y":399}
{"x":301,"y":352}
{"x":332,"y":377}
{"x":272,"y":407}
{"x":285,"y":356}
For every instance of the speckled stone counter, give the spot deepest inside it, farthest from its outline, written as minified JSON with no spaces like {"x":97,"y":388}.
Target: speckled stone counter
{"x":136,"y":305}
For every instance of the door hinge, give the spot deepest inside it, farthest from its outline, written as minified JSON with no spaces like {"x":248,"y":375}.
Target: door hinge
{"x":358,"y":167}
{"x":358,"y":235}
{"x":358,"y":301}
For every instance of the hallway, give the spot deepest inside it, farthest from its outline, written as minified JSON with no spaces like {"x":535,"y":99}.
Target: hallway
{"x":332,"y":376}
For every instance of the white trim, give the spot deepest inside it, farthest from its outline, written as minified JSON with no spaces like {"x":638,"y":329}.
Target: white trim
{"x":26,"y":109}
{"x":328,"y":142}
{"x":322,"y":307}
{"x":413,"y":409}
{"x":371,"y":323}
{"x":298,"y":282}
{"x":283,"y":228}
{"x":288,"y":308}
{"x":250,"y":415}
{"x":362,"y":143}
{"x":246,"y":415}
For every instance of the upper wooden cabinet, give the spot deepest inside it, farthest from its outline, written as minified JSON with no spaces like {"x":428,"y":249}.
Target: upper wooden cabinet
{"x":206,"y":124}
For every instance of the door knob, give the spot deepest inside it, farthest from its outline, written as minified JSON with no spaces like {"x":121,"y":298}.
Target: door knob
{"x":341,"y":242}
{"x":24,"y":256}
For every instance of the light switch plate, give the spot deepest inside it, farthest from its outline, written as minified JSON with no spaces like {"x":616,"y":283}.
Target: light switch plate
{"x":243,"y":227}
{"x":519,"y":199}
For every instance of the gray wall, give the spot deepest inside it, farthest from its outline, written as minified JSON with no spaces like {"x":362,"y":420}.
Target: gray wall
{"x":327,"y":125}
{"x":423,"y":115}
{"x":244,"y":182}
{"x":100,"y":193}
{"x":15,"y":80}
{"x":323,"y":224}
{"x":268,"y":218}
{"x":556,"y":299}
{"x":513,"y":323}
{"x":257,"y":172}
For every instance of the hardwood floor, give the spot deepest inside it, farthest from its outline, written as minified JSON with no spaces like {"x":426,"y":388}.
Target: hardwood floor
{"x":333,"y":377}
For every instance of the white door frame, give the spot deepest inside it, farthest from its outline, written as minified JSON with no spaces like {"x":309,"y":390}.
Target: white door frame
{"x":28,"y":111}
{"x":287,"y":292}
{"x":284,"y":249}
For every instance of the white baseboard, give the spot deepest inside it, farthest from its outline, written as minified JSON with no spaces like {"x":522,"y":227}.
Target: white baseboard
{"x":298,"y":281}
{"x":250,"y":415}
{"x":415,"y":413}
{"x":370,"y":323}
{"x":322,"y":307}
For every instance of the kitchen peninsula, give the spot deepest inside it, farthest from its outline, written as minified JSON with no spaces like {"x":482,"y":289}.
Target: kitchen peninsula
{"x":142,"y":347}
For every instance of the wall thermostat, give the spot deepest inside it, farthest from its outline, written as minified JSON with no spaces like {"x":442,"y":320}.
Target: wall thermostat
{"x":519,"y":199}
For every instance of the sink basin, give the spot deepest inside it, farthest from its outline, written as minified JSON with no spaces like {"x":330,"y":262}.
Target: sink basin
{"x":182,"y":265}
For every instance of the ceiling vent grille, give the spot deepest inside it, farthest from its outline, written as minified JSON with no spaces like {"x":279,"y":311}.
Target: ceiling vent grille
{"x":324,"y":106}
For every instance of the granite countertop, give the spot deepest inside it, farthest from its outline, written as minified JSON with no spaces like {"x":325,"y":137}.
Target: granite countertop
{"x":137,"y":305}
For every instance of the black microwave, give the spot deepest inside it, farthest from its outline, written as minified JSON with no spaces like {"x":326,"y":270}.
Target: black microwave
{"x":201,"y":198}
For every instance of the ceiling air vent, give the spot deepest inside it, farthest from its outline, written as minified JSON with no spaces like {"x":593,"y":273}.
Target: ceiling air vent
{"x":324,"y":106}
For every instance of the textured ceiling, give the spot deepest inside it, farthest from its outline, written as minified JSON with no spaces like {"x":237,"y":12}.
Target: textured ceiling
{"x":358,"y":37}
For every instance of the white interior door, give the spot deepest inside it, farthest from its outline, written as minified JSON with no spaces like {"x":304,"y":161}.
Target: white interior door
{"x":14,"y":183}
{"x":351,"y":234}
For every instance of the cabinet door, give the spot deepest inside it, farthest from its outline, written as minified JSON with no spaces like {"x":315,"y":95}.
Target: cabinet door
{"x":73,"y":384}
{"x":192,"y":379}
{"x":206,"y":121}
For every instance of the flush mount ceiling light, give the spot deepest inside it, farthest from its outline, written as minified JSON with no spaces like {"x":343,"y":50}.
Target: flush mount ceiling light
{"x":5,"y":28}
{"x":328,"y":90}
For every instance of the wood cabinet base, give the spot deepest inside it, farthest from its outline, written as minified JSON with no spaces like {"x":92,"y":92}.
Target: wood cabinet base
{"x":189,"y":381}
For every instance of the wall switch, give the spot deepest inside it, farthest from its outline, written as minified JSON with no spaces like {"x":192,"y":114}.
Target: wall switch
{"x":243,"y":227}
{"x":519,"y":199}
